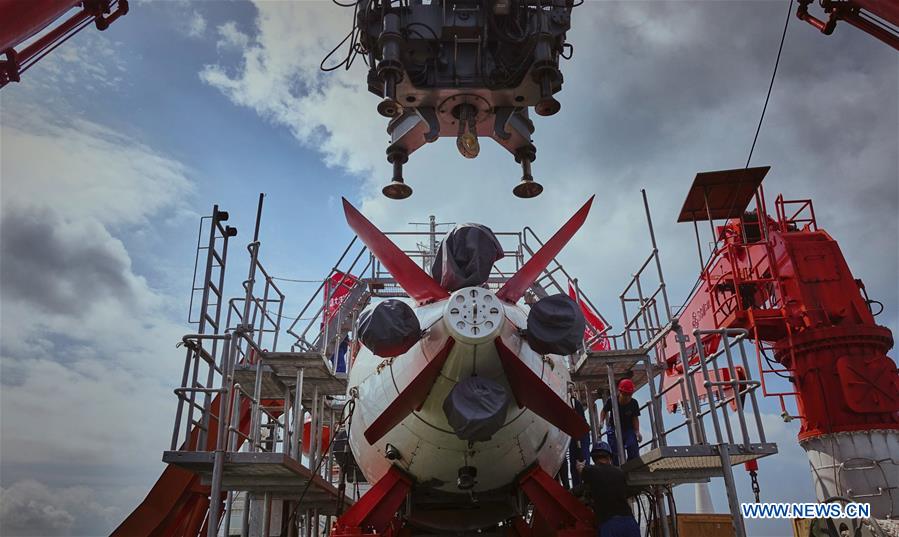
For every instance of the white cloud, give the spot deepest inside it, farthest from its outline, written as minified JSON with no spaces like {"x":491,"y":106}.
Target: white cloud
{"x":231,"y":37}
{"x":31,"y":508}
{"x":90,"y":60}
{"x":184,"y":15}
{"x":84,"y":334}
{"x":84,"y":170}
{"x":195,"y":25}
{"x":279,"y":78}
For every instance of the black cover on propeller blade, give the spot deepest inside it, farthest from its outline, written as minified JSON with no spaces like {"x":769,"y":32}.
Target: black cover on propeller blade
{"x":465,"y":257}
{"x":390,"y":328}
{"x":555,"y":325}
{"x":476,"y":408}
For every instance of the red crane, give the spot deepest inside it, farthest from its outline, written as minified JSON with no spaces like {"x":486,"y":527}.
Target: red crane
{"x":786,"y":281}
{"x":43,"y":20}
{"x":879,"y":18}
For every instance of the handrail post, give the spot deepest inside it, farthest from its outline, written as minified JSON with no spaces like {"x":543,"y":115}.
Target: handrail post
{"x":655,"y":253}
{"x":219,"y":457}
{"x":616,"y":415}
{"x":693,"y":411}
{"x":298,"y":417}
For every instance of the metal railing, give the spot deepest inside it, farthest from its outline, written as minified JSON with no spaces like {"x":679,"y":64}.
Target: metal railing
{"x":247,"y":421}
{"x":712,"y":388}
{"x":311,"y":339}
{"x":194,"y":415}
{"x":211,"y":404}
{"x":801,"y":217}
{"x":322,"y":337}
{"x":548,"y":278}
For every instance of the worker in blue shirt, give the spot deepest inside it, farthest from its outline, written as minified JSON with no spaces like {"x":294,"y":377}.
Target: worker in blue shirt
{"x":629,"y":413}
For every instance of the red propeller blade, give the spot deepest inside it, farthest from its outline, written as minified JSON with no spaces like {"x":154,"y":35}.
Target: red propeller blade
{"x":411,"y":398}
{"x":515,"y":287}
{"x":531,"y":392}
{"x":415,"y":281}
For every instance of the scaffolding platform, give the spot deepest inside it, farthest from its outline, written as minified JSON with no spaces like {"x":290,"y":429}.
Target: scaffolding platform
{"x":689,"y":464}
{"x":593,"y":368}
{"x":290,"y":397}
{"x":275,"y":473}
{"x":316,"y":372}
{"x":272,"y":387}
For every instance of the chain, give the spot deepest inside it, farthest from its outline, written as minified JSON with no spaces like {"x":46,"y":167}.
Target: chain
{"x":754,"y":476}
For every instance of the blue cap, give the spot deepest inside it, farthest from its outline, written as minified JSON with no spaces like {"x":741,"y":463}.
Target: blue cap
{"x":601,"y":447}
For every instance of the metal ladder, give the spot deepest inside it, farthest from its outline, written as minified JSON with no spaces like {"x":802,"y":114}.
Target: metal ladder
{"x":208,"y":321}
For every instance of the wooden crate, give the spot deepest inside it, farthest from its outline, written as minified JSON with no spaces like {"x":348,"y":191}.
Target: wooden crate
{"x":802,"y":527}
{"x":705,"y":525}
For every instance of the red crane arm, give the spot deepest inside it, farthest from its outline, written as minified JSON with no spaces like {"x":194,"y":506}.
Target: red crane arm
{"x":23,"y":21}
{"x":788,"y":283}
{"x":876,"y":17}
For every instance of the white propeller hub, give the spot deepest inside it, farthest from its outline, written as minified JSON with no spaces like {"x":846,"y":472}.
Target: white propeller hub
{"x":474,"y":315}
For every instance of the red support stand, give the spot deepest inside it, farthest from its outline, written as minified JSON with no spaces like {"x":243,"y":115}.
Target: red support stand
{"x":375,"y":511}
{"x":518,"y":528}
{"x":557,"y":512}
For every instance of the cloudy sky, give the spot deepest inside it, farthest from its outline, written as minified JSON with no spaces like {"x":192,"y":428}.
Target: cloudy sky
{"x":116,"y":143}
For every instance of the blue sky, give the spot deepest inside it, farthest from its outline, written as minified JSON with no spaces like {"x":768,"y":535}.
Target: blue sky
{"x":115,"y":144}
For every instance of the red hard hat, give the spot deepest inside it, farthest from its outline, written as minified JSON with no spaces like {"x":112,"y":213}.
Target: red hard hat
{"x":626,"y":386}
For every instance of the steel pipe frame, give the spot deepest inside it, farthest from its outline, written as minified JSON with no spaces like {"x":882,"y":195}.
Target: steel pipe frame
{"x":731,"y":488}
{"x":734,"y":383}
{"x":696,"y":429}
{"x":616,"y":416}
{"x":298,"y":413}
{"x":190,"y":340}
{"x":221,"y":439}
{"x":211,"y":256}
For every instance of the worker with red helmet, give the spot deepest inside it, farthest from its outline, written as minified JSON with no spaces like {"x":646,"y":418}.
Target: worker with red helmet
{"x":629,"y":413}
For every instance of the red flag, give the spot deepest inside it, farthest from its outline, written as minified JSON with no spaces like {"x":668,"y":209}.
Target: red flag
{"x":337,"y":288}
{"x":595,"y":325}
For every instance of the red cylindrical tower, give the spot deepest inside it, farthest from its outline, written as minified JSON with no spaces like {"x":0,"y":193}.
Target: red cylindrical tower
{"x":844,"y":378}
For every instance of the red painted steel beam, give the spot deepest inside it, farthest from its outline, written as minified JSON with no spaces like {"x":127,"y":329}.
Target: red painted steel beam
{"x":556,"y":506}
{"x":23,"y":19}
{"x":887,"y":10}
{"x":170,"y":508}
{"x":415,"y":281}
{"x":377,"y":507}
{"x":531,"y":392}
{"x":849,"y":11}
{"x":412,"y":396}
{"x":875,"y":30}
{"x":516,"y":286}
